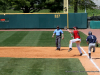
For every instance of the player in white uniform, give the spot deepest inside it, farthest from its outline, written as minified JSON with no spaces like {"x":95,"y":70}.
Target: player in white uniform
{"x":76,"y":40}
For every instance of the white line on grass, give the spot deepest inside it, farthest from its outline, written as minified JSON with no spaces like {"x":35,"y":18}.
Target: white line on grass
{"x":91,"y":60}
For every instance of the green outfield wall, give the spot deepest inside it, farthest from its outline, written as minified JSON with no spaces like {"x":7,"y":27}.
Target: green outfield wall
{"x":95,"y":24}
{"x":20,"y":21}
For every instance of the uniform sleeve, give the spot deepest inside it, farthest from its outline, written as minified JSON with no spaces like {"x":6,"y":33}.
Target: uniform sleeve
{"x":61,"y":31}
{"x":54,"y":32}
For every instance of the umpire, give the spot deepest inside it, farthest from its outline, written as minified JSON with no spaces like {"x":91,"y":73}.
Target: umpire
{"x":58,"y":33}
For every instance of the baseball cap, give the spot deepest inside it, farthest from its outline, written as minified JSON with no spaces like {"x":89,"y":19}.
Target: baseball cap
{"x":75,"y":27}
{"x":57,"y":26}
{"x":89,"y":33}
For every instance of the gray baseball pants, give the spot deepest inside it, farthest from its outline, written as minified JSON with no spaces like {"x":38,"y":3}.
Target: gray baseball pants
{"x":58,"y":41}
{"x":91,"y":45}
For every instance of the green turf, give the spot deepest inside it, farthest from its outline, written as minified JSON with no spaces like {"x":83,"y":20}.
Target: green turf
{"x":35,"y":38}
{"x":46,"y":39}
{"x":40,"y":66}
{"x":31,"y":39}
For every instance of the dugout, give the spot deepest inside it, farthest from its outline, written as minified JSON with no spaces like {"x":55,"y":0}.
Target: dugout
{"x":94,"y":22}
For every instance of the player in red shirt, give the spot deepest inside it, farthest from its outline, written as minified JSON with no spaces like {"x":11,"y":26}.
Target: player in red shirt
{"x":76,"y":39}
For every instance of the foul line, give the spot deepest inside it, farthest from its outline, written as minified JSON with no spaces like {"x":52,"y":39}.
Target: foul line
{"x":91,"y":60}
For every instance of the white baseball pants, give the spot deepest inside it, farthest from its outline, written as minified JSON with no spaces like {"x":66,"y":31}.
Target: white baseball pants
{"x":77,"y":41}
{"x":91,"y":45}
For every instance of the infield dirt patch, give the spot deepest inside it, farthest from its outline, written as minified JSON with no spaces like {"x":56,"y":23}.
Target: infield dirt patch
{"x":50,"y":52}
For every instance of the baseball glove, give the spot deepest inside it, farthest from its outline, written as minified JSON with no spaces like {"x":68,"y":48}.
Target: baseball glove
{"x":65,"y":27}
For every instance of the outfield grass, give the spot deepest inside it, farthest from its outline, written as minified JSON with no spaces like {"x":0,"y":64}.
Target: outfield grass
{"x":35,"y":38}
{"x":40,"y":66}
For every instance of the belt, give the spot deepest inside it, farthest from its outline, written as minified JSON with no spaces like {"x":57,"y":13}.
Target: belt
{"x":77,"y":38}
{"x":91,"y":43}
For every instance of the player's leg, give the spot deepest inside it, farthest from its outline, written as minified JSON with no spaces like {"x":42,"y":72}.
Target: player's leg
{"x":93,"y":47}
{"x":78,"y":47}
{"x":89,"y":51}
{"x":70,"y":44}
{"x":78,"y":41}
{"x":59,"y":42}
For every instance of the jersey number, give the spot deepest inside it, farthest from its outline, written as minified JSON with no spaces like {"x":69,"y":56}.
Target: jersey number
{"x":92,"y":37}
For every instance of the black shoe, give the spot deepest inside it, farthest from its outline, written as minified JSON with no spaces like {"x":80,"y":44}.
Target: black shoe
{"x":81,"y":54}
{"x":58,"y":49}
{"x":93,"y":50}
{"x":69,"y":49}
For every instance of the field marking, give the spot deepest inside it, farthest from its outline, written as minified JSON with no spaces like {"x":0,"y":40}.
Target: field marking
{"x":91,"y":59}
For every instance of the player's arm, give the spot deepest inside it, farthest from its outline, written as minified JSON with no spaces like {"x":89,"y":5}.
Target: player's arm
{"x":62,"y":34}
{"x":69,"y":31}
{"x":87,"y":40}
{"x":53,"y":33}
{"x":72,"y":33}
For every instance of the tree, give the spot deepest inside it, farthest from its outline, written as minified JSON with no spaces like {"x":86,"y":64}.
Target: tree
{"x":26,"y":5}
{"x":30,"y":6}
{"x":3,"y":5}
{"x":82,"y":4}
{"x":54,"y":5}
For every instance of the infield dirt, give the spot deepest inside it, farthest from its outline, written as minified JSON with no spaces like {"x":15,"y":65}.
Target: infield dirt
{"x":50,"y":52}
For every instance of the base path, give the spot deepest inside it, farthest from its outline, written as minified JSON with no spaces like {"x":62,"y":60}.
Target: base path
{"x":50,"y":52}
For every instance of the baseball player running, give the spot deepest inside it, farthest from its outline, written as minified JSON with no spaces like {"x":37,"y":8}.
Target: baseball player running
{"x":92,"y":41}
{"x":76,"y":39}
{"x":58,"y":33}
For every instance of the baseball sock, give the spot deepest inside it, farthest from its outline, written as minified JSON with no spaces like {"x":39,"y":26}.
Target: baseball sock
{"x":89,"y":55}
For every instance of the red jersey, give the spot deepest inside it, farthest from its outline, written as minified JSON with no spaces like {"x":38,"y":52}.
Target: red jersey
{"x":76,"y":34}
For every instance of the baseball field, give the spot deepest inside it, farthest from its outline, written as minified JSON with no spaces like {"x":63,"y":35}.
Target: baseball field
{"x":33,"y":53}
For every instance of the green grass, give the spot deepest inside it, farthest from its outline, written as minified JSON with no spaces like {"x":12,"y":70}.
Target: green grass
{"x":11,"y":11}
{"x":40,"y":66}
{"x":35,"y":38}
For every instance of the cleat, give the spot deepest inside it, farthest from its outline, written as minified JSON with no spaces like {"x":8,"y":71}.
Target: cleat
{"x":89,"y":57}
{"x":93,"y":50}
{"x":59,"y":49}
{"x":69,"y":49}
{"x":81,"y":54}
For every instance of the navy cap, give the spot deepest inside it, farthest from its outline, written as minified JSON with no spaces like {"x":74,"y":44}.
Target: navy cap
{"x":57,"y":26}
{"x":89,"y":33}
